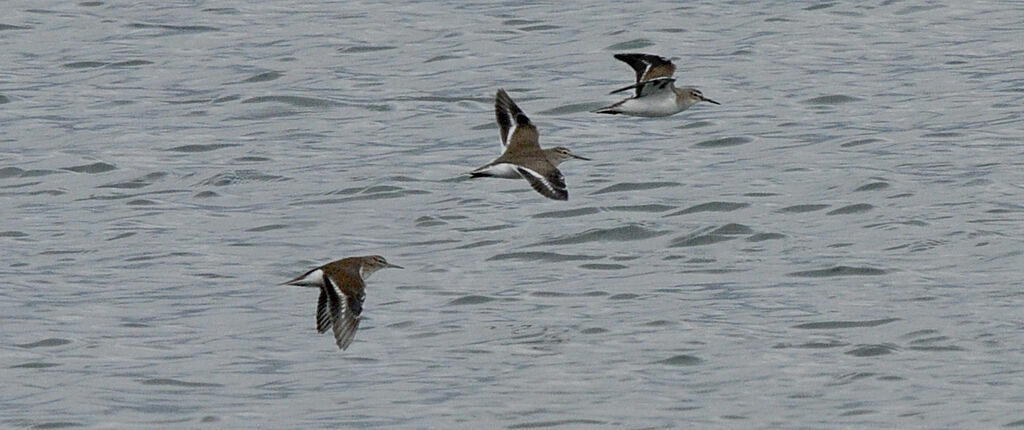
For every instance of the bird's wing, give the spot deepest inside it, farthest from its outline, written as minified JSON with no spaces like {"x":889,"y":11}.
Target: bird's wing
{"x":551,"y":185}
{"x":515,"y":126}
{"x":648,"y":66}
{"x":323,"y":313}
{"x":647,"y":88}
{"x":345,"y":310}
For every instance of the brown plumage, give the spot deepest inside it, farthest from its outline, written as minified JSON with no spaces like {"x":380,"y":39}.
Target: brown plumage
{"x":522,"y":156}
{"x":647,"y":67}
{"x":342,"y":292}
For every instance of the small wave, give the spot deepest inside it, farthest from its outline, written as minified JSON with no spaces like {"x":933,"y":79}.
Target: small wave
{"x":851,"y":209}
{"x":711,"y":207}
{"x":634,"y":186}
{"x":93,"y":168}
{"x":844,"y":324}
{"x":832,"y":100}
{"x":617,"y":234}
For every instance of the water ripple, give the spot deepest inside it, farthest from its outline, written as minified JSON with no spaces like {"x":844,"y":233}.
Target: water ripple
{"x":242,"y":176}
{"x":845,"y":324}
{"x":711,"y":236}
{"x":872,"y":350}
{"x":557,"y":423}
{"x":99,"y":167}
{"x":178,"y":383}
{"x":551,"y":257}
{"x":832,"y":100}
{"x":839,"y":271}
{"x":634,"y":186}
{"x":851,"y":209}
{"x":141,"y":182}
{"x":175,"y":28}
{"x":263,"y":77}
{"x":711,"y":207}
{"x":470,"y":300}
{"x":45,"y":343}
{"x":616,"y":234}
{"x":681,"y":360}
{"x":803,"y":208}
{"x":297,"y":101}
{"x":723,"y":142}
{"x":630,"y":45}
{"x":568,"y":213}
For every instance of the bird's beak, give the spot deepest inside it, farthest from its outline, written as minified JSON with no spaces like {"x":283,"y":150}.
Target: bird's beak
{"x":710,"y":101}
{"x":395,"y":266}
{"x":577,"y":156}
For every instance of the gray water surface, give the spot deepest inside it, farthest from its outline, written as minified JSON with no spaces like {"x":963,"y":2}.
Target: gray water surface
{"x":838,"y":245}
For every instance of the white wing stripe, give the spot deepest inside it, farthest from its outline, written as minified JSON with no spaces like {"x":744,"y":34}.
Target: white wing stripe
{"x":535,"y":178}
{"x":511,"y":132}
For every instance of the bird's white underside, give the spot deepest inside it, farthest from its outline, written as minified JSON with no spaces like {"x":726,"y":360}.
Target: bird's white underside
{"x":312,"y":279}
{"x":658,"y":103}
{"x":502,"y":170}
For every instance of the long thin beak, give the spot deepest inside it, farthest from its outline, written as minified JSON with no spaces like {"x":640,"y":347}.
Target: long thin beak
{"x":577,"y":156}
{"x":395,"y":266}
{"x":710,"y":101}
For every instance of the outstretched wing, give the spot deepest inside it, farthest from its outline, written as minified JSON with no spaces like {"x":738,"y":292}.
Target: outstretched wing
{"x":647,"y":88}
{"x":648,"y":66}
{"x":512,"y":122}
{"x":551,"y":185}
{"x":344,"y":310}
{"x":323,"y":311}
{"x":347,"y":323}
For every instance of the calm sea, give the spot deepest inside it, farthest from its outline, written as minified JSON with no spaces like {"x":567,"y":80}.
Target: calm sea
{"x":838,"y":245}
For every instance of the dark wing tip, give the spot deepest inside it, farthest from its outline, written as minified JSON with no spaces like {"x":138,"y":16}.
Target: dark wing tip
{"x":561,"y":192}
{"x":502,"y":99}
{"x":355,"y":305}
{"x":297,"y":281}
{"x":346,"y":333}
{"x":345,"y":318}
{"x":551,"y":186}
{"x":627,"y":87}
{"x":323,"y":313}
{"x":639,"y":56}
{"x":345,"y":325}
{"x":505,"y":107}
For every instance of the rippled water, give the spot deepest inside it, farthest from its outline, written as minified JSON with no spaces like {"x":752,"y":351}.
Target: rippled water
{"x":837,"y":245}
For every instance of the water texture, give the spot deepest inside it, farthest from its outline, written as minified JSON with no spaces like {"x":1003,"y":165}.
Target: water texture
{"x":838,"y":245}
